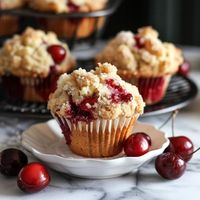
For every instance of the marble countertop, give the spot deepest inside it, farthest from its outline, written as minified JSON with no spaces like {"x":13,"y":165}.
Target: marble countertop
{"x":145,"y":184}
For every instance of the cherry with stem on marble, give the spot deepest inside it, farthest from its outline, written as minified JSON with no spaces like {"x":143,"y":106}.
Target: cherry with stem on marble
{"x":172,"y":163}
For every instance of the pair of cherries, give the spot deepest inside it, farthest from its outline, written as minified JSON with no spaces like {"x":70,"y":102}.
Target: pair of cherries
{"x":172,"y":163}
{"x":32,"y":177}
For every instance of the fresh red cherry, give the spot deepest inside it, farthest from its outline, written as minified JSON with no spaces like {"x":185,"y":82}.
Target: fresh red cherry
{"x":57,"y":52}
{"x":137,"y":144}
{"x":11,"y":161}
{"x":170,"y":166}
{"x":33,"y":178}
{"x":184,"y":68}
{"x":182,"y":146}
{"x":170,"y":148}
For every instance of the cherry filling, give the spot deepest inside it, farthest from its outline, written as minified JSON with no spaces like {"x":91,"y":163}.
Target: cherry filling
{"x":57,"y":52}
{"x":118,"y":94}
{"x":72,"y":7}
{"x":65,"y":129}
{"x":83,"y":111}
{"x":151,"y":89}
{"x":138,"y":44}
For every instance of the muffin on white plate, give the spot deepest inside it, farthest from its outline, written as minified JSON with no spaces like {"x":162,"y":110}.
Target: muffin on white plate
{"x":31,"y":63}
{"x":144,"y":60}
{"x":96,"y":110}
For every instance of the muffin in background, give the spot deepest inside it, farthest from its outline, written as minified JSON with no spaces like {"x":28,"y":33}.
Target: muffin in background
{"x":96,"y":110}
{"x":79,"y":27}
{"x":142,"y":59}
{"x":31,"y":63}
{"x":9,"y":24}
{"x":11,"y":4}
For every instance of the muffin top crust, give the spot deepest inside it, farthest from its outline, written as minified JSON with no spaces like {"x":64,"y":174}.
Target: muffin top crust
{"x":34,"y":54}
{"x":141,"y":54}
{"x":63,"y":6}
{"x":99,"y":93}
{"x":11,"y":4}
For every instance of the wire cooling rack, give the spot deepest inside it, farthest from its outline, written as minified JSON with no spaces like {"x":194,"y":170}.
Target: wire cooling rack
{"x":180,"y":93}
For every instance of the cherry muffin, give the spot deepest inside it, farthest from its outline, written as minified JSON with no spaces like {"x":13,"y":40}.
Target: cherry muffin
{"x":79,"y":27}
{"x":143,"y":60}
{"x":96,"y":110}
{"x":9,"y":24}
{"x":31,"y":63}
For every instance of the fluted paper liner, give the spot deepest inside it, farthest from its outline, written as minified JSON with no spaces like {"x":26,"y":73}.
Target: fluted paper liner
{"x":29,"y":88}
{"x":149,"y":87}
{"x":99,"y":138}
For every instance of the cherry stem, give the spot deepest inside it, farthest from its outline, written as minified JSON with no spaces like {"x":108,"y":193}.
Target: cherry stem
{"x":173,"y":114}
{"x":173,"y":119}
{"x":195,"y":151}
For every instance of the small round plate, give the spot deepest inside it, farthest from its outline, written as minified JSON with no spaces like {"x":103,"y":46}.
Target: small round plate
{"x":46,"y":143}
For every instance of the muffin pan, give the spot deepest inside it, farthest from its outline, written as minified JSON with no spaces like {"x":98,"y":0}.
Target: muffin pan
{"x":180,"y":93}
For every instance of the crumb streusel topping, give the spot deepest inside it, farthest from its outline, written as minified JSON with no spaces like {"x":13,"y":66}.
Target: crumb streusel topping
{"x":100,"y":93}
{"x":67,"y":5}
{"x":142,"y":54}
{"x":27,"y":55}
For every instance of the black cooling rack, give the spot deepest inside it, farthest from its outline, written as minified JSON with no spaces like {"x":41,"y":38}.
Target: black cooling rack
{"x":180,"y":93}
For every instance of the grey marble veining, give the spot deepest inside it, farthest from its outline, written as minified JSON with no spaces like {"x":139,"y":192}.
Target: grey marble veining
{"x":145,"y":184}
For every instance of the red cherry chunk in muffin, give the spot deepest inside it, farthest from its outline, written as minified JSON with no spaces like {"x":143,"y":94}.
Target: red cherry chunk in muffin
{"x":57,"y":52}
{"x":138,"y":44}
{"x":82,"y":111}
{"x":119,"y":95}
{"x":72,"y":7}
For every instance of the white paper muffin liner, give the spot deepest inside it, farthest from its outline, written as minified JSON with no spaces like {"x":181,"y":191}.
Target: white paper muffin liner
{"x":99,"y":138}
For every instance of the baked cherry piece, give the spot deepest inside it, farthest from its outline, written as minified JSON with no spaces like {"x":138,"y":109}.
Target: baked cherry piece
{"x":118,"y":94}
{"x":11,"y":161}
{"x":170,"y":166}
{"x":138,"y":43}
{"x":184,"y":68}
{"x":72,"y":7}
{"x":82,"y":111}
{"x":182,"y":146}
{"x":57,"y":52}
{"x":137,"y":144}
{"x":33,"y":178}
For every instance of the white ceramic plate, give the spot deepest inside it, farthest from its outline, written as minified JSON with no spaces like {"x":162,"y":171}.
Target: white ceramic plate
{"x":46,"y":142}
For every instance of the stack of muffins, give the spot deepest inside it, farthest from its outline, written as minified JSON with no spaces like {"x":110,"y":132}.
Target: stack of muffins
{"x":96,"y":110}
